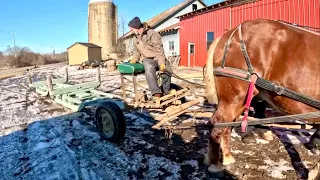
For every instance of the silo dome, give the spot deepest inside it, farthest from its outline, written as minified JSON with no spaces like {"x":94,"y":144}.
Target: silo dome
{"x":102,"y":25}
{"x":94,"y":1}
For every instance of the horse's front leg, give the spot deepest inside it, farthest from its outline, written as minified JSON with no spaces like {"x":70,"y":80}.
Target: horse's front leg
{"x":226,"y":149}
{"x":219,"y":137}
{"x":212,"y":158}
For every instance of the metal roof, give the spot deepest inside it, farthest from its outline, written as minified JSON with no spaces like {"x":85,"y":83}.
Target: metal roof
{"x":154,"y":21}
{"x":89,"y":45}
{"x":169,"y":28}
{"x":216,"y":6}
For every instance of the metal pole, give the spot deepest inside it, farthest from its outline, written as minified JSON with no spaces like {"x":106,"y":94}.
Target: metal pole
{"x":52,"y":53}
{"x":14,"y":45}
{"x":66,"y":75}
{"x":98,"y":75}
{"x":49,"y":83}
{"x":29,"y":79}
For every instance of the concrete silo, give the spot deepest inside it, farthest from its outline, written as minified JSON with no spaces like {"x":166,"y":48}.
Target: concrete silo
{"x":102,"y":25}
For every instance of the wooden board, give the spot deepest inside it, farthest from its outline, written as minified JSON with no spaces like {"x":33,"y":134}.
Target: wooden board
{"x":73,"y":88}
{"x":44,"y":83}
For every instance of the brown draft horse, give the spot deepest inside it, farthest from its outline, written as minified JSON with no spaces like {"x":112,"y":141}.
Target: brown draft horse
{"x":283,"y":54}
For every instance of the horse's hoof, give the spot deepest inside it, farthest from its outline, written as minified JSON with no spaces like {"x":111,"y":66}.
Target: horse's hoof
{"x":267,"y":135}
{"x":248,"y":139}
{"x":216,"y":170}
{"x":227,"y":160}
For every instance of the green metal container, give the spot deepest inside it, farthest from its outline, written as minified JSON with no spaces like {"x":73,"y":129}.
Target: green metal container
{"x":129,"y":68}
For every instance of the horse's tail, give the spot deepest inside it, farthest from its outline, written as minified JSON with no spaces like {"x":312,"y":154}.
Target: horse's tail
{"x":211,"y":92}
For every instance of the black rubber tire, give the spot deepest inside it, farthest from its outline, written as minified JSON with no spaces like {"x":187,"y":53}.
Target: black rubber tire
{"x":117,"y":118}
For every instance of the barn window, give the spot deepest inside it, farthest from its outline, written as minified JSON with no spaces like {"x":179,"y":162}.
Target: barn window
{"x":210,"y":38}
{"x":191,"y":50}
{"x":171,"y":45}
{"x":194,"y":7}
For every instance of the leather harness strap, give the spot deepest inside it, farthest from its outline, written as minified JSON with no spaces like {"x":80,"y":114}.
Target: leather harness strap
{"x":244,"y":51}
{"x":282,"y":91}
{"x":226,"y":49}
{"x":260,"y":82}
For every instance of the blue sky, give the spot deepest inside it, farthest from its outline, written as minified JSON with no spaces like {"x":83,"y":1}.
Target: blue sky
{"x":59,"y":23}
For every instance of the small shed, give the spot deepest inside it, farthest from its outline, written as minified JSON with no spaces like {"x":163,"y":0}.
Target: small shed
{"x":80,"y":52}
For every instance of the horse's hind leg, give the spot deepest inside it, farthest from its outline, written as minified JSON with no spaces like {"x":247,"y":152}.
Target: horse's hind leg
{"x":315,"y":140}
{"x":259,"y":108}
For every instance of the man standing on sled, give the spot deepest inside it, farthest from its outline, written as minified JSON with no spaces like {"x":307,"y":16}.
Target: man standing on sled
{"x":149,"y":49}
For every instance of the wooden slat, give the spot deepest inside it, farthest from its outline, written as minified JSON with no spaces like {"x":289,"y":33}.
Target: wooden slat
{"x":44,"y":83}
{"x":76,"y":87}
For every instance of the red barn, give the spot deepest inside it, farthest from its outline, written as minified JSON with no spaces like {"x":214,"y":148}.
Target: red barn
{"x":199,"y":28}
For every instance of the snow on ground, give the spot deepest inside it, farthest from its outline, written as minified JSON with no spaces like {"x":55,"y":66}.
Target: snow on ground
{"x":39,"y":139}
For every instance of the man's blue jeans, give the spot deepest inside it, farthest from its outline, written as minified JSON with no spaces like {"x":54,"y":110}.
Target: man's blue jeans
{"x":151,"y":66}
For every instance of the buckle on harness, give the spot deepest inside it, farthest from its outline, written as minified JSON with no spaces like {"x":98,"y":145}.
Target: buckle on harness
{"x":278,"y":89}
{"x":242,"y":46}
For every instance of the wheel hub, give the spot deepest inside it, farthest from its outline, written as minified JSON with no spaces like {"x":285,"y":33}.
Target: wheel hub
{"x":107,"y":123}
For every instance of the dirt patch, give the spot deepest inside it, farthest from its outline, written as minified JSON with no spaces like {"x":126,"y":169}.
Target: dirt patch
{"x":277,"y":159}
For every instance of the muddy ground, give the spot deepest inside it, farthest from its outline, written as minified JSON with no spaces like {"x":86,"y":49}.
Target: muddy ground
{"x":40,"y":139}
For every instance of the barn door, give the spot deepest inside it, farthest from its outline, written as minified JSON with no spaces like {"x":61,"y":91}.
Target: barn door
{"x":191,"y":54}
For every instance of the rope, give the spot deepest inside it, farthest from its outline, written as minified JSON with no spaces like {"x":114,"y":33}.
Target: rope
{"x":170,"y":73}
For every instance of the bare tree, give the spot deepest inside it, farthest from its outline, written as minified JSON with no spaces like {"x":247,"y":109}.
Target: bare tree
{"x":120,"y":47}
{"x":23,"y":56}
{"x":123,"y":25}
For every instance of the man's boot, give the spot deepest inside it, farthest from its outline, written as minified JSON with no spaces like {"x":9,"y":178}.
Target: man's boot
{"x":155,"y":97}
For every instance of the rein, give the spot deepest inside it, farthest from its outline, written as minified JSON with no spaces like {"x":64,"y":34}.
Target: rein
{"x":254,"y":79}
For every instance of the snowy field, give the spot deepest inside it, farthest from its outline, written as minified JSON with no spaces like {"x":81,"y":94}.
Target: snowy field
{"x":40,"y":139}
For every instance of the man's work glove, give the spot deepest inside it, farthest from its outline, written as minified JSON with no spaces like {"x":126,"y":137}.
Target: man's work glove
{"x":162,"y":67}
